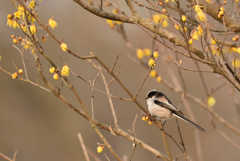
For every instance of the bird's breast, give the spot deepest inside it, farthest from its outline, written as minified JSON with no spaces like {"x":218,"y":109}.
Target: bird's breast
{"x":157,"y":111}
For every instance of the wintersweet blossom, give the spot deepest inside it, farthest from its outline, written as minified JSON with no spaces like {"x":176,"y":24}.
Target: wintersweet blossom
{"x":211,"y":101}
{"x":52,"y":23}
{"x":151,"y":63}
{"x":65,"y":70}
{"x":63,"y":46}
{"x":140,"y":53}
{"x":100,"y":148}
{"x":32,"y":4}
{"x":153,"y":73}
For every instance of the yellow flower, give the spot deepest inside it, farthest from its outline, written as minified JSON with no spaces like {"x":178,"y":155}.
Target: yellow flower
{"x":150,"y":122}
{"x":32,"y":4}
{"x":234,"y":49}
{"x":159,"y":79}
{"x":9,"y":16}
{"x":185,"y":28}
{"x":200,"y":30}
{"x":52,"y":70}
{"x":115,"y":11}
{"x":52,"y":23}
{"x":55,"y":76}
{"x":23,"y":27}
{"x":65,"y":70}
{"x":213,"y":41}
{"x":14,"y":75}
{"x":151,"y":63}
{"x":113,"y":23}
{"x":195,"y":35}
{"x":165,"y":23}
{"x":10,"y":22}
{"x":21,"y":9}
{"x":160,"y":19}
{"x":220,"y":14}
{"x":190,"y":41}
{"x":156,"y":18}
{"x":184,"y":18}
{"x":236,"y":63}
{"x":155,"y":54}
{"x":198,"y":8}
{"x":32,"y":19}
{"x":33,"y":29}
{"x":147,"y":52}
{"x":214,"y":50}
{"x":235,"y":38}
{"x":100,"y":148}
{"x":27,"y":45}
{"x":238,"y":50}
{"x":118,"y":22}
{"x":177,"y":26}
{"x":153,"y":73}
{"x":32,"y":51}
{"x":201,"y":16}
{"x":221,"y":8}
{"x":211,"y":101}
{"x":110,"y":23}
{"x":140,"y":53}
{"x":15,"y":41}
{"x":20,"y":71}
{"x":145,"y":118}
{"x":63,"y":46}
{"x":17,"y":15}
{"x":15,"y":24}
{"x":44,"y":38}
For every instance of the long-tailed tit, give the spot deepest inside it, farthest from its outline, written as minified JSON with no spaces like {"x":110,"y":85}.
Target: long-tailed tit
{"x":161,"y":107}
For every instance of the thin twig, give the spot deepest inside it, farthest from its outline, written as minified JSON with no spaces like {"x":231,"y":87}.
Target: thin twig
{"x":83,"y":147}
{"x":5,"y":157}
{"x":110,"y":82}
{"x":171,"y":137}
{"x":144,"y":80}
{"x":229,"y":139}
{"x":111,"y":70}
{"x":106,"y":157}
{"x":180,"y":135}
{"x":134,"y":135}
{"x":165,"y":142}
{"x":15,"y":155}
{"x":109,"y":98}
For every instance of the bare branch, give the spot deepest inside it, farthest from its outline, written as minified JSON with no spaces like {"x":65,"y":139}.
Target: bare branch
{"x":83,"y":147}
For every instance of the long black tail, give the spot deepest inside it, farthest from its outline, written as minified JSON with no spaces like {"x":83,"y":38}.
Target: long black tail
{"x":190,"y":122}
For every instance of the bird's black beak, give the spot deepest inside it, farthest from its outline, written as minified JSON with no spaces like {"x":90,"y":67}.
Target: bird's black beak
{"x":146,"y":97}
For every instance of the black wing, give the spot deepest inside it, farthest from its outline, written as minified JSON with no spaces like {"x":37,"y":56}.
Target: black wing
{"x":169,"y":106}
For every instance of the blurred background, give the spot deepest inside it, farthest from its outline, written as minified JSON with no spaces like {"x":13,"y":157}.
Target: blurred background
{"x":40,"y":127}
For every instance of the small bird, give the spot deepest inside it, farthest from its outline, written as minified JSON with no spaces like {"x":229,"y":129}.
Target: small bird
{"x":161,"y":107}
